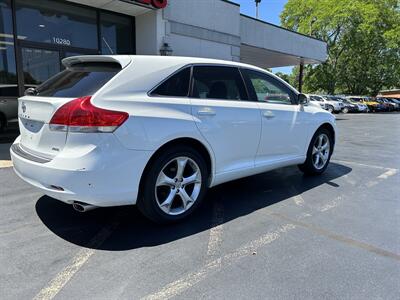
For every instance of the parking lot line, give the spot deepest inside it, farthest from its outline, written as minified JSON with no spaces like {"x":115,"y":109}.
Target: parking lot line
{"x":362,"y":165}
{"x":177,"y":287}
{"x":5,"y":164}
{"x":83,"y":255}
{"x":339,"y":238}
{"x":215,"y":239}
{"x":388,"y":173}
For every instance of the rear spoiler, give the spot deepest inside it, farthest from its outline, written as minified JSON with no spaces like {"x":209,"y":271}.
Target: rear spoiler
{"x":122,"y":60}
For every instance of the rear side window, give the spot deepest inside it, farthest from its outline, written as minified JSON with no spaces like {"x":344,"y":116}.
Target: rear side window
{"x":218,"y":83}
{"x":175,"y":86}
{"x":83,"y":79}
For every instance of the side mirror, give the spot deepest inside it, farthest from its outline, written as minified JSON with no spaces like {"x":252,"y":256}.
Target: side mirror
{"x":30,"y":92}
{"x":302,"y":99}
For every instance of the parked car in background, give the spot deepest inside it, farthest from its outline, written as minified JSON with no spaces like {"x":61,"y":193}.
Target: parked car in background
{"x":8,"y":104}
{"x":317,"y":101}
{"x":327,"y":104}
{"x":372,"y":105}
{"x":338,"y":103}
{"x":361,"y":107}
{"x":159,"y":131}
{"x":349,"y":106}
{"x":388,"y":105}
{"x":396,"y":102}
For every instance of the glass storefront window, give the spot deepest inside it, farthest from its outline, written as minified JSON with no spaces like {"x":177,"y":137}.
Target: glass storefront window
{"x":116,"y":34}
{"x":8,"y":70}
{"x":39,"y":65}
{"x":57,"y":23}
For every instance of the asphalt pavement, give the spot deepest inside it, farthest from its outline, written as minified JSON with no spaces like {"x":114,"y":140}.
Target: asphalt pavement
{"x":277,"y":235}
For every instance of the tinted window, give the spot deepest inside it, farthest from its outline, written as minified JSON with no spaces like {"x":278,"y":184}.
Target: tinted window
{"x":116,"y":34}
{"x":265,"y":88}
{"x":8,"y":91}
{"x":39,"y":65}
{"x":8,"y":73}
{"x":218,"y":83}
{"x":177,"y":85}
{"x":80,"y":80}
{"x":57,"y":23}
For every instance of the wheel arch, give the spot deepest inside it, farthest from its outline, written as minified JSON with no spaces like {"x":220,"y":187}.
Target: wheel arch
{"x":331,"y":129}
{"x":205,"y":152}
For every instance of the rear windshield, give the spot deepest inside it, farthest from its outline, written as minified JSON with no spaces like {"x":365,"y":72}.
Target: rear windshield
{"x":82,"y":79}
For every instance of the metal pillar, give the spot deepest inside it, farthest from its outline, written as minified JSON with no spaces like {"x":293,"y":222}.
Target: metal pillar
{"x":301,"y":77}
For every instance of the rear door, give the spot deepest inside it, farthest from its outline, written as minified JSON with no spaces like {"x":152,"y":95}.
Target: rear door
{"x":35,"y":111}
{"x":230,"y":124}
{"x":284,"y":124}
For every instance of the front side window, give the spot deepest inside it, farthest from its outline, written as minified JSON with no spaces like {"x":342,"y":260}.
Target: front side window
{"x":264,"y":88}
{"x":218,"y":83}
{"x":175,"y":86}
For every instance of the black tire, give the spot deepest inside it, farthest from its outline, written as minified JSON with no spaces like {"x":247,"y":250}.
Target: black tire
{"x":308,"y":167}
{"x":147,"y":201}
{"x":330,"y":109}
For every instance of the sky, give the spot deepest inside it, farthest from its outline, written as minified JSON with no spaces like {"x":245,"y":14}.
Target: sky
{"x":269,"y":11}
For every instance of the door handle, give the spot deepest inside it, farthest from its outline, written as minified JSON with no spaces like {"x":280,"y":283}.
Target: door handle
{"x":206,"y":111}
{"x":268,"y":114}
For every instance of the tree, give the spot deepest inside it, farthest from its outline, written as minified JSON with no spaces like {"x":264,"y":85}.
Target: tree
{"x":363,"y":38}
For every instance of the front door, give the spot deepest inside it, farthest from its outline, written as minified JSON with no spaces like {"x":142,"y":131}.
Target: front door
{"x":230,"y":124}
{"x":284,"y":130}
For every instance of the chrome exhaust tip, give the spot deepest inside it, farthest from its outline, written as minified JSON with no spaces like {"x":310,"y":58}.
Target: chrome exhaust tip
{"x":83,"y":207}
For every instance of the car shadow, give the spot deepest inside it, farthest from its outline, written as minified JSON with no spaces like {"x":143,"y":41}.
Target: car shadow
{"x":238,"y":198}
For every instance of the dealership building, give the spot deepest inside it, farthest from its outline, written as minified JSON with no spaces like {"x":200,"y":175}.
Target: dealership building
{"x":36,"y":35}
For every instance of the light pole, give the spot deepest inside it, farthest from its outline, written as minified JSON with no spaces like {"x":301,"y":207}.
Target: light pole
{"x":257,"y":3}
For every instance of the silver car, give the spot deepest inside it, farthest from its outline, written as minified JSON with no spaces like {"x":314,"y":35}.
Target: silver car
{"x":9,"y":104}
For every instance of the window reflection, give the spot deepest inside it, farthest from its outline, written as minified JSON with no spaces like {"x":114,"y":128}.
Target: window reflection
{"x":56,"y":23}
{"x":116,"y":34}
{"x":39,"y":65}
{"x":8,"y":72}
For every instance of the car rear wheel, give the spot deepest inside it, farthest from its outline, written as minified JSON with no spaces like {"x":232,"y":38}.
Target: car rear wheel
{"x":330,"y":108}
{"x":319,"y":153}
{"x":174,"y":186}
{"x":345,"y":110}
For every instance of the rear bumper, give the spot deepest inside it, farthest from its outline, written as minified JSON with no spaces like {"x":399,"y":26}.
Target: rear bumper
{"x":98,"y":177}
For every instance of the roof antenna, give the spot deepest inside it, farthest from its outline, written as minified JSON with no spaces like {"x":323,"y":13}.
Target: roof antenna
{"x":108,"y":46}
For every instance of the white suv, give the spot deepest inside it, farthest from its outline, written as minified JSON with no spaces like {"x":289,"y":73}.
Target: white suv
{"x":328,"y":104}
{"x":159,"y":131}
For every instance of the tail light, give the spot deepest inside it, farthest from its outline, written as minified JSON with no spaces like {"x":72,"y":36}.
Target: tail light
{"x":80,"y":115}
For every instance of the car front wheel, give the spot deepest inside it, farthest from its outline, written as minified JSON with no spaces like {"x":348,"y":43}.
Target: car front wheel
{"x":174,"y":185}
{"x":330,"y":108}
{"x":319,"y":153}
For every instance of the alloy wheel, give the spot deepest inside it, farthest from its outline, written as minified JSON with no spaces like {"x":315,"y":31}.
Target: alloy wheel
{"x":178,"y":185}
{"x":321,"y":151}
